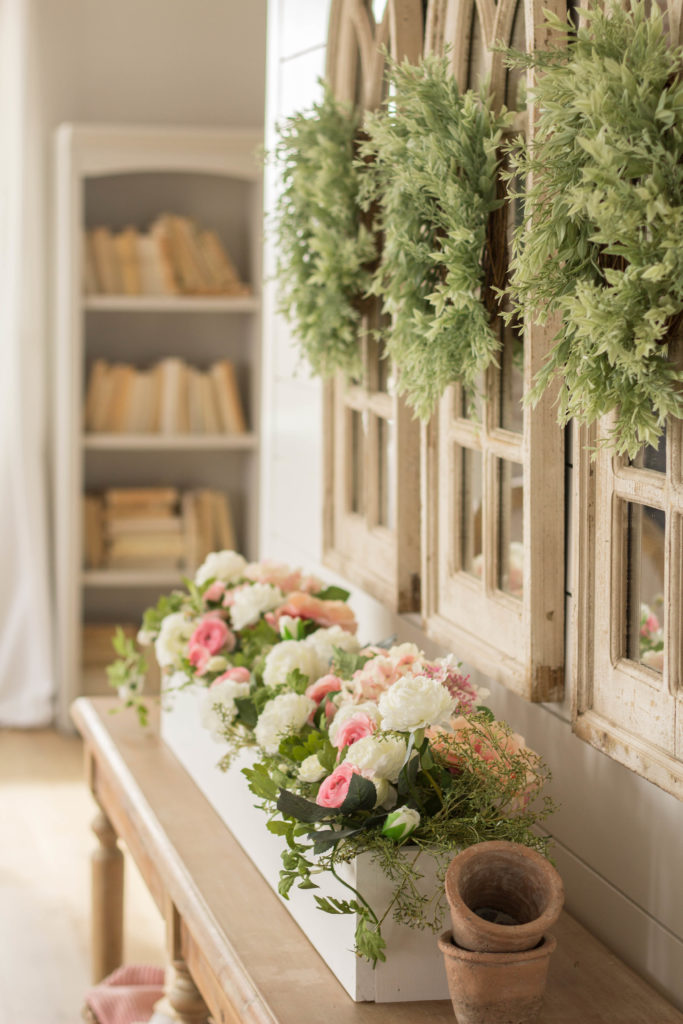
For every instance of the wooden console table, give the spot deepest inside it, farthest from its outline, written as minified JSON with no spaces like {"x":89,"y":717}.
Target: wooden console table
{"x":235,"y":949}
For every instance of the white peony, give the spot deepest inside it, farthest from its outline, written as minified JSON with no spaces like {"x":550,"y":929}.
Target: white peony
{"x":311,"y":770}
{"x":220,"y":696}
{"x":285,"y":657}
{"x":416,"y":702}
{"x":381,"y":756}
{"x":226,"y":566}
{"x":347,"y":711}
{"x":284,"y":714}
{"x":172,"y":642}
{"x":251,"y":603}
{"x":323,"y":642}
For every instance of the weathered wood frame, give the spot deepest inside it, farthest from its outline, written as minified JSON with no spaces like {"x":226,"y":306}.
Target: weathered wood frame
{"x":629,"y":711}
{"x":383,"y":559}
{"x":519,"y":642}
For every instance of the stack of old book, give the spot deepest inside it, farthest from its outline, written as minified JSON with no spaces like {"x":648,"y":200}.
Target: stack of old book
{"x":155,"y":527}
{"x":167,"y":398}
{"x":174,"y":257}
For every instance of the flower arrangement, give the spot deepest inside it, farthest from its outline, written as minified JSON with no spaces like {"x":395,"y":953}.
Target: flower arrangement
{"x":434,"y":155}
{"x":325,"y":245}
{"x":602,"y":193}
{"x":356,"y":748}
{"x":651,"y":639}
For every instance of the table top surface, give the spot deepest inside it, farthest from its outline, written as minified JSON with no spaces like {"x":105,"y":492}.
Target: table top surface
{"x":262,"y":960}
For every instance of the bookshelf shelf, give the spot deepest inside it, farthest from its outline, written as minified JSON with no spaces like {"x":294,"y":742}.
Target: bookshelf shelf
{"x":183,"y":367}
{"x":170,"y":442}
{"x":170,"y":304}
{"x":131,"y":577}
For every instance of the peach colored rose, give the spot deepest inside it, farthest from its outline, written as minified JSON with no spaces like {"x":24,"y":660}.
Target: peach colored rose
{"x":214,"y":592}
{"x":355,"y":728}
{"x":325,"y":613}
{"x":333,"y":791}
{"x":199,"y":657}
{"x":283,"y":576}
{"x":326,"y":684}
{"x":213,"y":634}
{"x":382,"y":671}
{"x":238,"y":674}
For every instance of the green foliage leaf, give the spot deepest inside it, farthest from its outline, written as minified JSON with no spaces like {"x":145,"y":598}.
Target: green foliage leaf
{"x":344,"y":663}
{"x":294,"y":806}
{"x":260,"y":782}
{"x":333,"y":593}
{"x":361,"y":796}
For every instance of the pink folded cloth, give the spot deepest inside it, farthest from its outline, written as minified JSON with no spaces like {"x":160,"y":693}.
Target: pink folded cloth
{"x":127,"y":995}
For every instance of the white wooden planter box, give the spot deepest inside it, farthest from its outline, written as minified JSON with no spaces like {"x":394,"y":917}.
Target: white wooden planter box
{"x":414,"y":969}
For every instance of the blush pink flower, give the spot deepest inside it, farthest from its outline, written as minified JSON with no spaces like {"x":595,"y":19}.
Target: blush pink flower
{"x":355,"y":728}
{"x":199,"y":657}
{"x":213,"y":634}
{"x":326,"y":684}
{"x":651,"y":625}
{"x":214,"y":592}
{"x":238,"y":674}
{"x":300,"y":605}
{"x":333,"y":791}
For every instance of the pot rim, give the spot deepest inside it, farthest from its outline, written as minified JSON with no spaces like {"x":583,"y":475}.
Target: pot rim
{"x":450,"y":949}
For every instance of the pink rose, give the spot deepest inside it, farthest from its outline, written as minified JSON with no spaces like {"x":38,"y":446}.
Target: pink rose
{"x":326,"y":684}
{"x":354,"y":729}
{"x":199,"y":657}
{"x":213,"y":634}
{"x":333,"y":791}
{"x":326,"y":613}
{"x":651,"y":625}
{"x":214,"y":592}
{"x":238,"y":674}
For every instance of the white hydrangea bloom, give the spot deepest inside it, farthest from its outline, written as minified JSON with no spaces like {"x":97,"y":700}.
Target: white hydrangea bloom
{"x":284,"y":714}
{"x":381,"y":756}
{"x":347,"y":711}
{"x":323,"y":642}
{"x":416,"y":702}
{"x":220,"y":695}
{"x":172,"y":642}
{"x":310,"y":769}
{"x":226,"y":566}
{"x":251,"y":603}
{"x":285,"y":657}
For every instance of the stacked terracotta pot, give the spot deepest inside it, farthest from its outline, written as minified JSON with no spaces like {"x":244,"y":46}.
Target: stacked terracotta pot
{"x":503,"y":899}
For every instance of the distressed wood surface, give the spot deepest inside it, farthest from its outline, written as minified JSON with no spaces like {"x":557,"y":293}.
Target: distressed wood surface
{"x":245,"y":956}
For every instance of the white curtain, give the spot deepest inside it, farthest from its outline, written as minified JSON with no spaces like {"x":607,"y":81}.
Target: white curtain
{"x":26,"y":664}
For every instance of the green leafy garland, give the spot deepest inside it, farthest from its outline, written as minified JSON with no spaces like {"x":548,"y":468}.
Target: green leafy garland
{"x":601,"y":237}
{"x":325,"y":247}
{"x":435,"y":154}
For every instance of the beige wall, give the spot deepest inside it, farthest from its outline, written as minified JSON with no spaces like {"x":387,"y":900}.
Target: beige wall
{"x":618,"y":839}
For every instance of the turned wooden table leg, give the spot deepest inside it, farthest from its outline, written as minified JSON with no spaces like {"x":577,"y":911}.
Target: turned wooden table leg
{"x":182,"y":1000}
{"x":107,"y":900}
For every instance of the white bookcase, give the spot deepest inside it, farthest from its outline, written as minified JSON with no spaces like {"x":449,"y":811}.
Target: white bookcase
{"x":120,"y":175}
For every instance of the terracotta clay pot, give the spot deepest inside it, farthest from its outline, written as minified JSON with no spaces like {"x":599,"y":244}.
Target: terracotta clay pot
{"x":503,"y":897}
{"x":496,"y":988}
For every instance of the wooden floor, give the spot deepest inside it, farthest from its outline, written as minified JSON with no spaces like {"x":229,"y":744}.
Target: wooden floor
{"x":45,"y":845}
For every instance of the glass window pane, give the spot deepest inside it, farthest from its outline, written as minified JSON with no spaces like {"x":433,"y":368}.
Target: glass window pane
{"x":477,"y":65}
{"x":357,"y":467}
{"x":512,"y":381}
{"x":387,"y":469}
{"x":652,"y":458}
{"x":645,"y":640}
{"x":510,"y":477}
{"x":471,"y":403}
{"x":471,"y":550}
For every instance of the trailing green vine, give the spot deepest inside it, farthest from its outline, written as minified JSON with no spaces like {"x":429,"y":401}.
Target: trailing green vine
{"x":325,"y":247}
{"x":601,"y":239}
{"x":434,"y":154}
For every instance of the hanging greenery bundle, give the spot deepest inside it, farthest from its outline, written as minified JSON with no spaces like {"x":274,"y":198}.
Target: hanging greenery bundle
{"x":601,"y":238}
{"x":434,"y":153}
{"x":325,"y":247}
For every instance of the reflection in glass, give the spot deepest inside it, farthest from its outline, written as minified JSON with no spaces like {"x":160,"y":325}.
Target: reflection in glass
{"x":652,"y":458}
{"x":512,"y":381}
{"x":515,"y":78}
{"x":386,"y":465}
{"x":510,"y":480}
{"x":477,"y":63}
{"x":645,"y":640}
{"x":471,"y":403}
{"x":357,"y":475}
{"x":471,"y":551}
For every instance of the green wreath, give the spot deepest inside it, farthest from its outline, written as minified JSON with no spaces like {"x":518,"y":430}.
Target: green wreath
{"x":325,"y":247}
{"x":601,"y":238}
{"x":434,"y":155}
